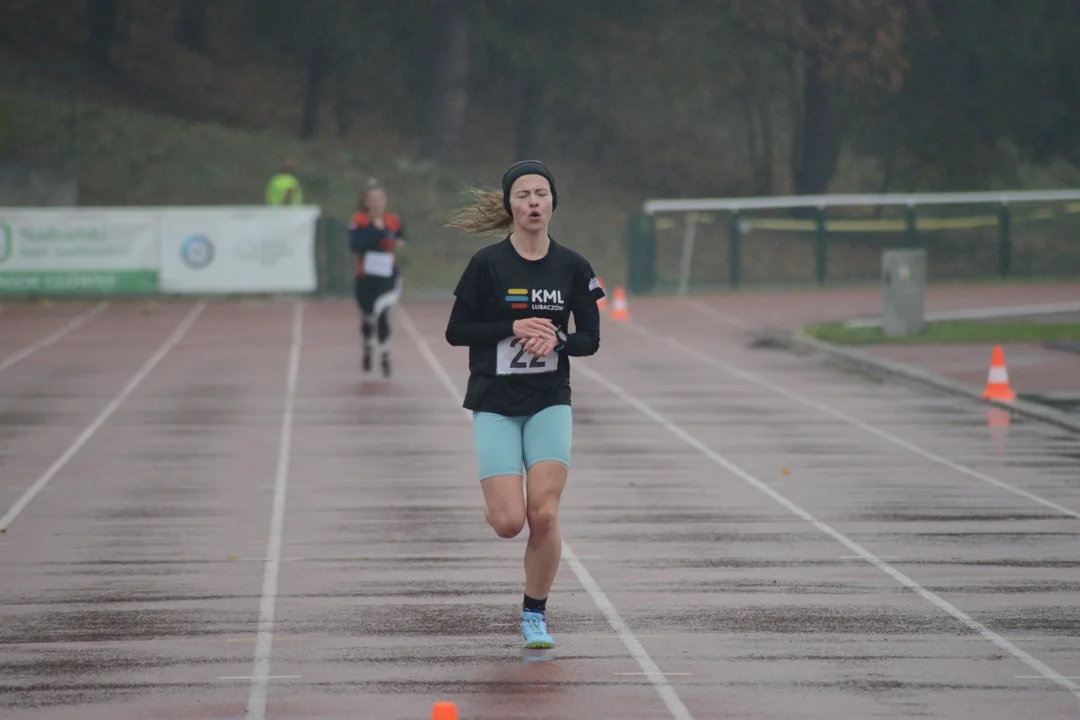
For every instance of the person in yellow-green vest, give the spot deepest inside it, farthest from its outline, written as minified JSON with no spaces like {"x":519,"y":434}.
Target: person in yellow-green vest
{"x":284,"y":188}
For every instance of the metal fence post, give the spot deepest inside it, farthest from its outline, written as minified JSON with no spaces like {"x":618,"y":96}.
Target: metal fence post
{"x":1005,"y":238}
{"x":687,"y":253}
{"x":911,"y":236}
{"x":734,"y":249}
{"x":821,"y":243}
{"x":641,"y":254}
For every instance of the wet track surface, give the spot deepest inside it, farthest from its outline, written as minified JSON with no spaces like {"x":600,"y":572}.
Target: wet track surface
{"x":780,"y":536}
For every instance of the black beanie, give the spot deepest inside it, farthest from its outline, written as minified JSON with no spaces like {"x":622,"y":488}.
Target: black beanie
{"x":527,"y":167}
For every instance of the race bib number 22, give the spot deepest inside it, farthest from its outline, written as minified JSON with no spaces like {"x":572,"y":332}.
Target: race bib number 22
{"x":513,"y":360}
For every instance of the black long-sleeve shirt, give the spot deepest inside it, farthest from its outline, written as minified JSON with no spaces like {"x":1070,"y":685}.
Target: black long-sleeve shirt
{"x":498,"y":287}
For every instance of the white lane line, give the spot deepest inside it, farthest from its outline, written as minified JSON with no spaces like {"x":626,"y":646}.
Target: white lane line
{"x":864,"y":426}
{"x":94,"y":426}
{"x":633,"y":645}
{"x":942,"y":604}
{"x":1013,"y":639}
{"x":670,"y":673}
{"x":50,"y":339}
{"x":260,"y":676}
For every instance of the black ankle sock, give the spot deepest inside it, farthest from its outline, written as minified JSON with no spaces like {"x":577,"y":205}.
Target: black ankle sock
{"x":534,"y":605}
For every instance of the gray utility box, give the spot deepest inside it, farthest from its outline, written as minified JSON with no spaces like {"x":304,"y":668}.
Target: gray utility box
{"x":903,"y":273}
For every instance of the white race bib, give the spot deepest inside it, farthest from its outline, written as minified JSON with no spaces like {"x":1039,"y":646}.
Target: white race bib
{"x":511,"y":359}
{"x":379,"y":264}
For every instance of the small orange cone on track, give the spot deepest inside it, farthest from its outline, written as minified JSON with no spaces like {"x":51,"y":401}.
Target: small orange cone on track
{"x":444,"y":711}
{"x":602,"y":302}
{"x":619,"y":310}
{"x":997,"y":384}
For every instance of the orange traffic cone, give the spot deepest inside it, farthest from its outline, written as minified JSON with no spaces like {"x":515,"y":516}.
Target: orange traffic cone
{"x":444,"y":711}
{"x":619,"y":311}
{"x":997,"y":384}
{"x":602,"y":302}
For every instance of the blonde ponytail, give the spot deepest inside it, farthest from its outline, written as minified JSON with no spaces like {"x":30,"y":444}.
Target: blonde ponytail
{"x":486,"y":215}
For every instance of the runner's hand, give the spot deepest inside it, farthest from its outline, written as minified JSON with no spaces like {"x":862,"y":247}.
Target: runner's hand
{"x":540,"y":346}
{"x":529,"y":328}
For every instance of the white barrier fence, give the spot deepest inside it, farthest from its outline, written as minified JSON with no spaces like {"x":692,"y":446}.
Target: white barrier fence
{"x":204,"y":250}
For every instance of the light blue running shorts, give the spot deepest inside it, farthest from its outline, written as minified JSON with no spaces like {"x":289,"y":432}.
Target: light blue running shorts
{"x":506,"y":444}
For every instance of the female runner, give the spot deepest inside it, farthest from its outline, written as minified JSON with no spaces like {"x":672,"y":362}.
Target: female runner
{"x":512,"y":309}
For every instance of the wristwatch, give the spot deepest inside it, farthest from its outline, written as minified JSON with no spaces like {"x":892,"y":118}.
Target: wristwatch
{"x":561,"y":337}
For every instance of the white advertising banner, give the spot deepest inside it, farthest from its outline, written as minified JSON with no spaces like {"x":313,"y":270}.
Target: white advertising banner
{"x":77,"y":250}
{"x":238,"y":249}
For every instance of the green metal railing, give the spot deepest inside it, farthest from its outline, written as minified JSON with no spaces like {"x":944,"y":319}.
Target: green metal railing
{"x":674,"y":244}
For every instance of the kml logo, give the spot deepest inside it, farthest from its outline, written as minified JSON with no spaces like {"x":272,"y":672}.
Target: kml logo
{"x":547,"y":296}
{"x":7,"y":242}
{"x":520,"y":298}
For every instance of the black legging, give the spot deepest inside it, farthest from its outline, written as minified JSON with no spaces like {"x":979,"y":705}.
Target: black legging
{"x":375,"y":297}
{"x":383,"y":322}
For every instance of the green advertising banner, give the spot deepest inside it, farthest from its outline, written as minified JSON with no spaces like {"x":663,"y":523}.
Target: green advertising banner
{"x":75,"y":282}
{"x":78,"y":251}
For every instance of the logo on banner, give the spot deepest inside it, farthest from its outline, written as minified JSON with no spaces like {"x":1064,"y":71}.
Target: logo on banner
{"x":197,"y":251}
{"x":267,"y":252}
{"x":7,"y":242}
{"x":248,"y":250}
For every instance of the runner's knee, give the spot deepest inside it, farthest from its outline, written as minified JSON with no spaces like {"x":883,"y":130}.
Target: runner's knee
{"x":543,"y":516}
{"x":507,"y":523}
{"x":544,"y":487}
{"x":504,"y":504}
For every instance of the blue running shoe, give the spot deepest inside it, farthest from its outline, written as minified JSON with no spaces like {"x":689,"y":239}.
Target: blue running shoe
{"x":534,"y":629}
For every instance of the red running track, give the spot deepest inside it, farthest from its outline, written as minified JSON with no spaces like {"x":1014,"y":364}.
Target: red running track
{"x":750,"y":534}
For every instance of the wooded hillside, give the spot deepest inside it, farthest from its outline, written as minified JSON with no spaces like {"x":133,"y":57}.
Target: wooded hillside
{"x":644,"y":97}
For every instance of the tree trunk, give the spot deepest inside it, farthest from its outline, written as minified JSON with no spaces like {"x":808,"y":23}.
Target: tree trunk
{"x":191,"y":25}
{"x":528,"y":128}
{"x":316,"y":71}
{"x":818,"y":150}
{"x":752,"y":143}
{"x":450,"y":93}
{"x":759,"y":141}
{"x":768,"y":147}
{"x":101,"y":29}
{"x":343,"y":110}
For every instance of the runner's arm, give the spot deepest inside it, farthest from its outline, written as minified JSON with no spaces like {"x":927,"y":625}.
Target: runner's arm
{"x":467,"y":327}
{"x":585,"y":340}
{"x":364,"y":238}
